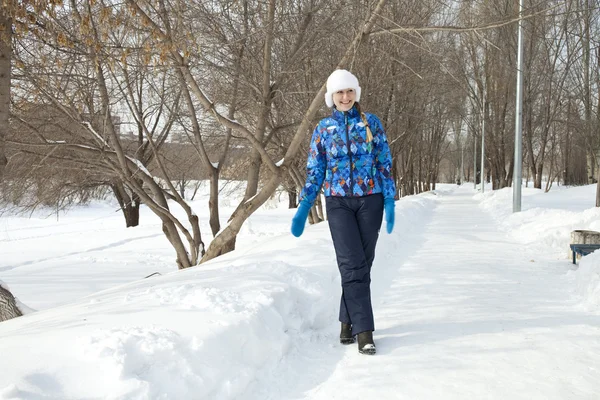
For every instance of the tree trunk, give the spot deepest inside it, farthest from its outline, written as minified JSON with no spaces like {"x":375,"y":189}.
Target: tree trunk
{"x":8,"y":305}
{"x":319,"y":207}
{"x":529,"y":147}
{"x":170,"y":231}
{"x":130,"y":205}
{"x":538,"y":177}
{"x":598,"y":190}
{"x":551,"y":175}
{"x":213,"y":202}
{"x":314,"y":217}
{"x":5,"y":83}
{"x":292,"y":198}
{"x":266,"y":101}
{"x":223,"y":242}
{"x":587,"y":93}
{"x":253,"y":175}
{"x":182,"y":188}
{"x":132,"y":214}
{"x":598,"y":134}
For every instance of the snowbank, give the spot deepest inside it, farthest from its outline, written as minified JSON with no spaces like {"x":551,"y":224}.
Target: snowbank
{"x":587,"y":281}
{"x":202,"y":333}
{"x":546,"y":222}
{"x":217,"y":331}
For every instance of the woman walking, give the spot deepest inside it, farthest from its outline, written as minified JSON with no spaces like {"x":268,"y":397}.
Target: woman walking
{"x":349,"y":156}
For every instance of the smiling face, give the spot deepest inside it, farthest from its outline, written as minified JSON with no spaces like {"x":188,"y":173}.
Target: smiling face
{"x":344,"y":99}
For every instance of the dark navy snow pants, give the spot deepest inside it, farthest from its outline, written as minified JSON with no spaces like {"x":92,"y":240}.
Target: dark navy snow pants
{"x":354,"y":223}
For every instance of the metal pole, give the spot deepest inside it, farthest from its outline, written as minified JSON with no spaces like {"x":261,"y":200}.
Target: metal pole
{"x":483,"y":145}
{"x":474,"y":161}
{"x":518,"y":174}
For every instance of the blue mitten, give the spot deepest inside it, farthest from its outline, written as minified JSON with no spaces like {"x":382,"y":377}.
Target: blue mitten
{"x":299,"y":219}
{"x":388,"y":205}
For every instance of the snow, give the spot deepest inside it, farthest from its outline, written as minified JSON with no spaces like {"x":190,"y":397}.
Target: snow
{"x":140,"y":166}
{"x":94,"y":133}
{"x":471,"y":301}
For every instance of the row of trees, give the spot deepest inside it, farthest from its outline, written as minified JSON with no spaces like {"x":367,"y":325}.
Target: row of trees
{"x":101,"y":90}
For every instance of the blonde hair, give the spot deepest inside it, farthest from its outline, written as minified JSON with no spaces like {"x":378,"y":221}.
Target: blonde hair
{"x":364,"y":119}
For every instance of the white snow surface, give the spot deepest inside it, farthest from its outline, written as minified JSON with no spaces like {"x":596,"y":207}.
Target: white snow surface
{"x":140,"y":166}
{"x":471,"y":301}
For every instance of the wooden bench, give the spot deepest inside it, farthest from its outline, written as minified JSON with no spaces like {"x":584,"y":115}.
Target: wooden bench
{"x":582,"y":250}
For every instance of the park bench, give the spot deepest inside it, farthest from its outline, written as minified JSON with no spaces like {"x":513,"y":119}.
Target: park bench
{"x":582,"y":249}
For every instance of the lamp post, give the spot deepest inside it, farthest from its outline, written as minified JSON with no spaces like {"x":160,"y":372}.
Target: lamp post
{"x":518,"y":171}
{"x":474,"y":161}
{"x":482,"y":180}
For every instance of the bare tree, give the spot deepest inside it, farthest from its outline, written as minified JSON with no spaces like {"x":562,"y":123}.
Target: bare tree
{"x":87,"y":98}
{"x":255,"y":135}
{"x":543,"y":93}
{"x":241,"y":76}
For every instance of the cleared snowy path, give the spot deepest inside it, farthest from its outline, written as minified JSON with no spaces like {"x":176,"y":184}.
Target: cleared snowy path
{"x":470,"y":314}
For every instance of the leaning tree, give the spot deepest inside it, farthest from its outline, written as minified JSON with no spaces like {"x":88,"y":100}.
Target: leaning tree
{"x":15,"y":17}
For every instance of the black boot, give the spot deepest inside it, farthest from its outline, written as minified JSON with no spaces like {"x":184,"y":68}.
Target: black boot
{"x":346,"y":336}
{"x":365,"y":343}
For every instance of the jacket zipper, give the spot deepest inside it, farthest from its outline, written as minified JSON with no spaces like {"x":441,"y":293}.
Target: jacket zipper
{"x":349,"y":155}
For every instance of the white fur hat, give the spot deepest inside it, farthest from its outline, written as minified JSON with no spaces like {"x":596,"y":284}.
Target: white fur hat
{"x":340,"y":79}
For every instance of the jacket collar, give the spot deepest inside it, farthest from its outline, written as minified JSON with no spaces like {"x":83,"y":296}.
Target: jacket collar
{"x":341,"y":115}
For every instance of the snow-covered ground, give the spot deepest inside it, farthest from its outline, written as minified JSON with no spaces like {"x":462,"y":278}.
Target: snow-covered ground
{"x":471,"y":302}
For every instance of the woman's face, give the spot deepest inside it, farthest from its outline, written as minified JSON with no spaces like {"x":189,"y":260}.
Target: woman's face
{"x":344,"y":99}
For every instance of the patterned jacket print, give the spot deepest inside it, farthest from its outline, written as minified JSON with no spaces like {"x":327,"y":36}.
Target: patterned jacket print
{"x":343,"y":162}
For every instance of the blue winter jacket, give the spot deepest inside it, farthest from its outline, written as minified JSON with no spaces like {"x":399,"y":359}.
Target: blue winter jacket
{"x":341,"y":159}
